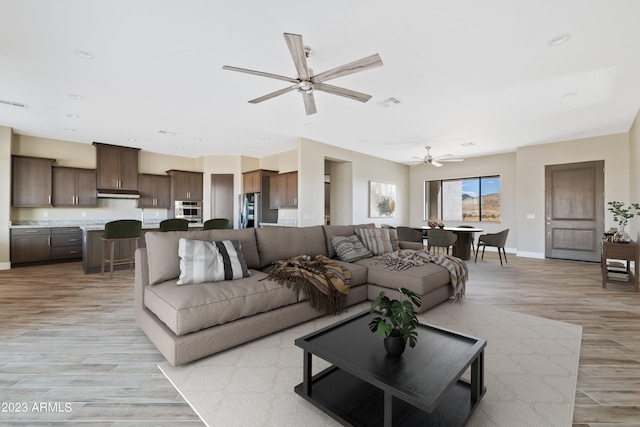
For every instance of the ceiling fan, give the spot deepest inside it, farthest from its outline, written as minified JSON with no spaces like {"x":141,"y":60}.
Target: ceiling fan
{"x":436,"y":161}
{"x":307,"y":82}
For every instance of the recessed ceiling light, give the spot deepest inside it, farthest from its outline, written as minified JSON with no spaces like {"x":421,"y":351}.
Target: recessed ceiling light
{"x":166,"y":132}
{"x":570,"y":95}
{"x":73,"y":116}
{"x":559,"y":39}
{"x":181,"y":147}
{"x":70,"y":130}
{"x":468,"y":144}
{"x":309,"y":125}
{"x":266,"y":139}
{"x":578,"y":134}
{"x":74,"y":96}
{"x":197,"y":139}
{"x":84,"y":54}
{"x":389,"y":102}
{"x":131,"y":139}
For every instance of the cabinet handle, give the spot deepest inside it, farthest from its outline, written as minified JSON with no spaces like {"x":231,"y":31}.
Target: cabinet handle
{"x":74,"y":252}
{"x":32,"y":231}
{"x":49,"y":198}
{"x":49,"y":241}
{"x":74,"y":240}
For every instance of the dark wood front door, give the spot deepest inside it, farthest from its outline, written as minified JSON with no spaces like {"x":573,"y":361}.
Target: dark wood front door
{"x":574,"y":210}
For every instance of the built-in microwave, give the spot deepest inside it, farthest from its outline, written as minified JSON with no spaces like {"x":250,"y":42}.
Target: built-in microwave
{"x":189,"y":210}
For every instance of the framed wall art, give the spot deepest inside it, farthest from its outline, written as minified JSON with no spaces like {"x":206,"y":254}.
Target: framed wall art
{"x":382,"y":200}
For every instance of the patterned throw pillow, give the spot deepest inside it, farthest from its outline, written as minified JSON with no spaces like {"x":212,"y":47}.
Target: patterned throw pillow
{"x":202,"y":261}
{"x":349,"y":249}
{"x":377,"y":240}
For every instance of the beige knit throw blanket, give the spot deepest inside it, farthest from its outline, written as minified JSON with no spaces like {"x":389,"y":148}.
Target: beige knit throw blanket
{"x":407,"y":258}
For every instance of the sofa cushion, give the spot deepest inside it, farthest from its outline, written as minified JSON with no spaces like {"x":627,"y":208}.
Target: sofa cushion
{"x":162,"y":249}
{"x":340,"y":230}
{"x":378,"y":240}
{"x":202,"y":261}
{"x":420,"y":279}
{"x":186,"y":309}
{"x":276,"y":243}
{"x":349,"y":248}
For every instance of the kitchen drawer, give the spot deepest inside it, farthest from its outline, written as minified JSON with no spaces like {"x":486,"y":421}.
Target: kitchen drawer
{"x":66,"y":230}
{"x":66,"y":252}
{"x":31,"y":231}
{"x":67,"y":239}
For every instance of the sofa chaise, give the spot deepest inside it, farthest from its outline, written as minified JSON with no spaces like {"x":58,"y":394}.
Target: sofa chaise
{"x":191,"y":321}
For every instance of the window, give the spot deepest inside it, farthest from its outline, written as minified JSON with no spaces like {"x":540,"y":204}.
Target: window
{"x":466,"y":199}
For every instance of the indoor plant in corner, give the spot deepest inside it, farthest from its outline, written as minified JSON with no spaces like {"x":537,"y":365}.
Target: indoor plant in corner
{"x":398,"y":321}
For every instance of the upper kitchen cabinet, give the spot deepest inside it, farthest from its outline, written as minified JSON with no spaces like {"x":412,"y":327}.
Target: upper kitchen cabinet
{"x":31,"y":181}
{"x":252,"y":182}
{"x":283,"y":191}
{"x":117,"y":167}
{"x":74,"y":187}
{"x":186,"y":185}
{"x":155,"y":191}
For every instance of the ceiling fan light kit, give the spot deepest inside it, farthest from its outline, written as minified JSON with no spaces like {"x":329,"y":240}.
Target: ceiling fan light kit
{"x":306,"y":82}
{"x":436,"y":161}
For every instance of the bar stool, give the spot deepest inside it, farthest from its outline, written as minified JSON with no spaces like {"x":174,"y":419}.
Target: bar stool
{"x":216,"y":223}
{"x":174,"y":224}
{"x":120,"y":230}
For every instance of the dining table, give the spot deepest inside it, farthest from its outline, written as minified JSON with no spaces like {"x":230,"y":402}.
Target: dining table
{"x":462,"y":247}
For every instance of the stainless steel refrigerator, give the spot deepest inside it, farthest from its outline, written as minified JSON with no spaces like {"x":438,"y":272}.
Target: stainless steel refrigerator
{"x":250,"y":212}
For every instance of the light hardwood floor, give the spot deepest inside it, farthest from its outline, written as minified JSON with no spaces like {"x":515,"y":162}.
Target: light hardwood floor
{"x":70,"y":338}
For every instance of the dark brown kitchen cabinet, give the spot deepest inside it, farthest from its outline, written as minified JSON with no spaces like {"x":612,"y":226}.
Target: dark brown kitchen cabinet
{"x":186,"y":185}
{"x":42,"y":245}
{"x":66,"y":243}
{"x":283,"y":191}
{"x":30,"y":245}
{"x":117,"y":167}
{"x":74,"y":187}
{"x":155,"y":191}
{"x":31,"y":181}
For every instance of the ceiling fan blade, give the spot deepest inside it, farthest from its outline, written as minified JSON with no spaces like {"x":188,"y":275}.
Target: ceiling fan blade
{"x":350,"y":68}
{"x":451,"y":160}
{"x":309,"y":103}
{"x":260,"y":73}
{"x":272,"y":94}
{"x":347,"y":93}
{"x":296,"y":47}
{"x":436,"y":164}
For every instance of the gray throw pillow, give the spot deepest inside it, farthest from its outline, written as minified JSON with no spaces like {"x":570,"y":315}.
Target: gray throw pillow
{"x":202,"y":262}
{"x":349,"y":248}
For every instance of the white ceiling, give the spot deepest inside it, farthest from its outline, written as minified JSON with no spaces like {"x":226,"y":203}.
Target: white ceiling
{"x":464,"y":71}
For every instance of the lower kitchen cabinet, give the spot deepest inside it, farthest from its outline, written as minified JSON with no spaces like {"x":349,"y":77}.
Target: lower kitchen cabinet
{"x":39,"y":245}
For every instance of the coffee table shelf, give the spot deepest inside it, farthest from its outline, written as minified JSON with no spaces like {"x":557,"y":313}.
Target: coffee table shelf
{"x":366,"y":387}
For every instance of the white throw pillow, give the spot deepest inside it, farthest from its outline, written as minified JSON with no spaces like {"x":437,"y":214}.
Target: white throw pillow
{"x":202,"y":261}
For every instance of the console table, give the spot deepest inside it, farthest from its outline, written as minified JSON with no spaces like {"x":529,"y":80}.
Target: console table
{"x":626,"y":252}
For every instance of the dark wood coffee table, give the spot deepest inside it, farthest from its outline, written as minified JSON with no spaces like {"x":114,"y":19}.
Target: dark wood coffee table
{"x":366,"y":387}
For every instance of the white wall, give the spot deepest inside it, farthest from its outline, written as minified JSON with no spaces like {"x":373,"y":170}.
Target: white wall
{"x":312,"y":155}
{"x":634,"y":175}
{"x":502,"y":164}
{"x":5,"y":196}
{"x":530,"y":166}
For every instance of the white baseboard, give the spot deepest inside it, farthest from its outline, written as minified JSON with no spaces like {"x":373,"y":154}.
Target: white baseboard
{"x":537,"y":255}
{"x":5,"y":266}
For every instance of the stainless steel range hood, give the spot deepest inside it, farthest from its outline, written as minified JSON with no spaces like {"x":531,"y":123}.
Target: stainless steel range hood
{"x":117,"y":194}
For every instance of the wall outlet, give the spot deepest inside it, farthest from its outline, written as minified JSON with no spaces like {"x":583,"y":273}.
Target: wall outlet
{"x":84,"y":214}
{"x":531,"y":216}
{"x":45,"y":214}
{"x":157,"y":213}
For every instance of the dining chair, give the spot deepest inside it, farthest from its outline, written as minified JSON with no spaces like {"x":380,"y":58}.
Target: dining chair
{"x":174,"y":224}
{"x":496,"y":240}
{"x":408,"y":234}
{"x":439,"y":238}
{"x":124,"y":230}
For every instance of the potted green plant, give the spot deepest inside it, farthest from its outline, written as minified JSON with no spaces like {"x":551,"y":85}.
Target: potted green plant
{"x":622,"y":215}
{"x":398,"y":322}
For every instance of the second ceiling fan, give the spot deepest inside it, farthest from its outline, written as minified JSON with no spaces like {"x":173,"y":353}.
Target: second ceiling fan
{"x":306,"y":82}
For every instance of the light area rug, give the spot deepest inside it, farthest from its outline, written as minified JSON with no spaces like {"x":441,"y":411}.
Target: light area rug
{"x":531,"y":369}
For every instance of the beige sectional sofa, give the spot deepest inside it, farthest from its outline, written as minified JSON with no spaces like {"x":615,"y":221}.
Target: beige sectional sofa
{"x":188,"y":322}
